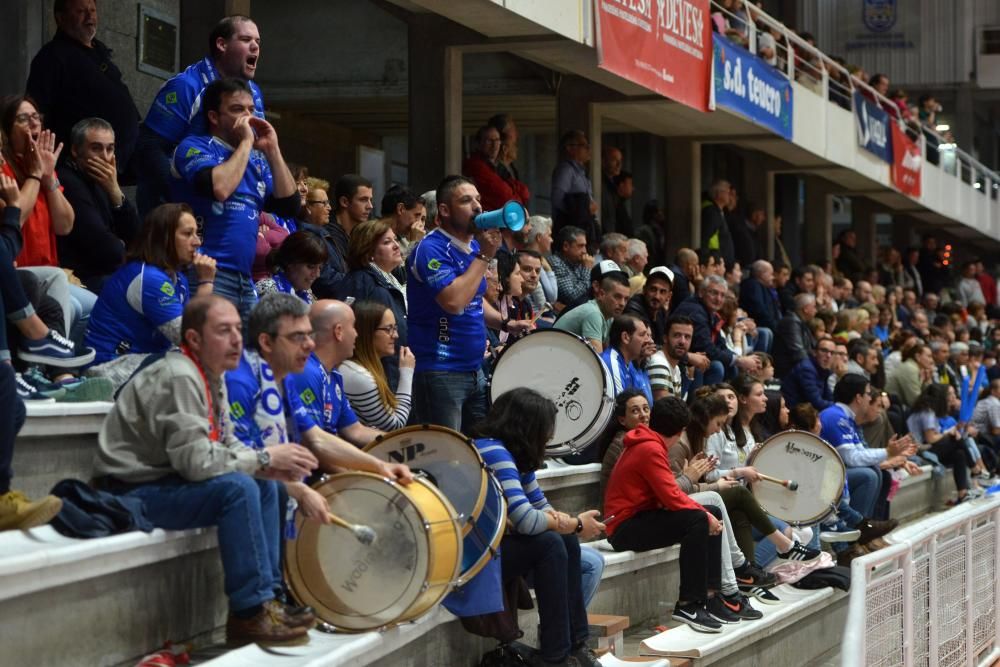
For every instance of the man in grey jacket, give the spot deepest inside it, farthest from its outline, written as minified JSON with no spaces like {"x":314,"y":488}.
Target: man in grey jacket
{"x":168,"y":441}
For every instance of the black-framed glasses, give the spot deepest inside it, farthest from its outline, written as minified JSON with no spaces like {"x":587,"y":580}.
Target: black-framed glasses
{"x":390,"y":329}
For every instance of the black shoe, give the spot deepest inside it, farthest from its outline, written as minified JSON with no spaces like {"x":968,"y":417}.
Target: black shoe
{"x":585,"y":656}
{"x":763,"y":595}
{"x":697,"y":617}
{"x":749,"y":575}
{"x":722,"y":611}
{"x":872,"y":529}
{"x":800,"y":552}
{"x":740,"y":605}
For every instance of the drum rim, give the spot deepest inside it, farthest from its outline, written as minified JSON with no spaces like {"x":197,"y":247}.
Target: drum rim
{"x":562,"y":448}
{"x":494,"y":545}
{"x":481,"y":500}
{"x":834,"y":503}
{"x":296,"y":578}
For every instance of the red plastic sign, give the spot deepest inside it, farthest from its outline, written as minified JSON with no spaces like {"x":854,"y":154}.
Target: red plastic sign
{"x":907,"y":162}
{"x":662,"y":45}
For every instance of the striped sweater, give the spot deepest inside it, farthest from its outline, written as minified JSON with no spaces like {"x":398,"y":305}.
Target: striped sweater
{"x":526,"y":504}
{"x":359,"y":385}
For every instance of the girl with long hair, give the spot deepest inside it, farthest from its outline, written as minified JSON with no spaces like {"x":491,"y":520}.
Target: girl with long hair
{"x":925,"y":428}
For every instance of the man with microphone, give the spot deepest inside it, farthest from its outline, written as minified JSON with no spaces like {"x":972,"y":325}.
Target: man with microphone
{"x":447,"y":314}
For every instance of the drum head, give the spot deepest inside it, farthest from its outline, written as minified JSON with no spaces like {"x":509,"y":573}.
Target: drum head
{"x":560,"y":366}
{"x":448,"y":459}
{"x":482,"y":542}
{"x":806,"y":459}
{"x":359,"y":587}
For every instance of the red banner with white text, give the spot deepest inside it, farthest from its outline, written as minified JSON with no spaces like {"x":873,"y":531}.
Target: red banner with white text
{"x":907,"y":162}
{"x":662,"y":45}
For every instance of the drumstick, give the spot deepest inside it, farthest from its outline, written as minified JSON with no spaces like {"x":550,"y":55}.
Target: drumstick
{"x":364,"y":534}
{"x":789,"y":484}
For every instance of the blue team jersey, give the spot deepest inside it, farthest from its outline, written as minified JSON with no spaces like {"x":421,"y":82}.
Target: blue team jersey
{"x":439,"y":340}
{"x":254,"y":411}
{"x":626,"y":376}
{"x":839,"y":428}
{"x":322,"y":395}
{"x":135,"y":301}
{"x":229,"y":227}
{"x":176,"y":111}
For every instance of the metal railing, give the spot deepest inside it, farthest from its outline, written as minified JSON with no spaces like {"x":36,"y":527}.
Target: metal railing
{"x":930,"y":599}
{"x":802,"y":62}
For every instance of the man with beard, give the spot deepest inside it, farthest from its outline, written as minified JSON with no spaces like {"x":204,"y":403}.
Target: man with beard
{"x":654,"y":300}
{"x":675,"y":371}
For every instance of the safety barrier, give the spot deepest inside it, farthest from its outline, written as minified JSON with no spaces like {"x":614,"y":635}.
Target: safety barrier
{"x":931,"y":598}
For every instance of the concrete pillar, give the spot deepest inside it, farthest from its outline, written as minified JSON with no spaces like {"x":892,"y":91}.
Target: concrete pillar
{"x":22,"y":32}
{"x":435,"y":98}
{"x":682,"y":207}
{"x":198,"y":17}
{"x":817,"y":221}
{"x":863,"y":212}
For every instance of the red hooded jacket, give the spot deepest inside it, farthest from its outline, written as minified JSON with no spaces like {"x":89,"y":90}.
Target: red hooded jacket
{"x":642,"y":480}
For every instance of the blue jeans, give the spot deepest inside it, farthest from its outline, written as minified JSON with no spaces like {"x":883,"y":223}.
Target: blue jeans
{"x":554,"y":562}
{"x":591,"y":569}
{"x":236,"y":288}
{"x":864,"y":484}
{"x":765,"y":337}
{"x":453,"y":399}
{"x":245,"y":510}
{"x":716,"y":373}
{"x":83,"y":301}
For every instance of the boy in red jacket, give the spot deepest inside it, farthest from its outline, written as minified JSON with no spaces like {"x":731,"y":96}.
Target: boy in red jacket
{"x":647,"y":510}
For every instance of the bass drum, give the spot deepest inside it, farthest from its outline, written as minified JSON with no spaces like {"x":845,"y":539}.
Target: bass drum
{"x":450,"y":461}
{"x":563,"y":367}
{"x":412,"y":564}
{"x":804,"y":458}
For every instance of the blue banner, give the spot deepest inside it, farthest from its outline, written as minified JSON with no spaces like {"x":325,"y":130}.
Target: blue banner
{"x":874,"y":134}
{"x":749,"y":86}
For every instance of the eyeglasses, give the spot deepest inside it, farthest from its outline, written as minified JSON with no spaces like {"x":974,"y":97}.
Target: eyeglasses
{"x":322,"y":202}
{"x":25,"y":118}
{"x":824,"y":350}
{"x":298,"y":337}
{"x":391,"y":329}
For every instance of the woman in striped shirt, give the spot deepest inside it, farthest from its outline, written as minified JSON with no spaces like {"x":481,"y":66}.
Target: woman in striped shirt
{"x":365,"y":379}
{"x":540,"y":541}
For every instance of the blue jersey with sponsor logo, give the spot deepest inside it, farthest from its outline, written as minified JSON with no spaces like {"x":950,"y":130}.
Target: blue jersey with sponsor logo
{"x":259,"y":413}
{"x":441,"y":341}
{"x":229,"y":227}
{"x":135,"y":301}
{"x":322,"y":395}
{"x":176,"y":112}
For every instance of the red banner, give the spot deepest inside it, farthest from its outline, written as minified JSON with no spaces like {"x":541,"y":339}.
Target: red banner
{"x":662,"y":45}
{"x":907,"y":162}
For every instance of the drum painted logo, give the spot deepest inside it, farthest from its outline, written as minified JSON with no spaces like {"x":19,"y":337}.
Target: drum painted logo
{"x":792,"y":448}
{"x":878,"y":15}
{"x":572,"y":407}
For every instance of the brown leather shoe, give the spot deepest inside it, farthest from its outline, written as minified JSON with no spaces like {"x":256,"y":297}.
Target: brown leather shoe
{"x":873,"y":529}
{"x":266,"y":628}
{"x":295,"y":617}
{"x":845,"y":557}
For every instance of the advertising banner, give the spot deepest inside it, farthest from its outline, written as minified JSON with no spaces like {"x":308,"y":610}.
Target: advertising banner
{"x":662,"y":45}
{"x":873,"y":127}
{"x":907,"y":162}
{"x":749,"y":86}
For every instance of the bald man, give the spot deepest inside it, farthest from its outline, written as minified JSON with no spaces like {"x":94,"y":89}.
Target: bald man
{"x":320,"y":386}
{"x":685,"y":270}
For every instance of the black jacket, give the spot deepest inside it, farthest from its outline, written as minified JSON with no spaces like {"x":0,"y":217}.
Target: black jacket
{"x":713,"y":221}
{"x":793,"y":342}
{"x":325,"y":287}
{"x":761,"y":303}
{"x":705,"y":339}
{"x":658,"y":320}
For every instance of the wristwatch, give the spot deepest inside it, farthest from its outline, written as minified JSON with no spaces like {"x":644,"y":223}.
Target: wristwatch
{"x":579,"y":525}
{"x":263,"y":459}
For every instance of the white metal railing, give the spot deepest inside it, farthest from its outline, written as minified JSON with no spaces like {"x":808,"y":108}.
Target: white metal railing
{"x":930,"y":599}
{"x":801,"y":61}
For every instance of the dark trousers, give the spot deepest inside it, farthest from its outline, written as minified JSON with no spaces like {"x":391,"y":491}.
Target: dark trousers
{"x":952,"y":452}
{"x":701,"y":553}
{"x":554,"y":562}
{"x":10,"y":425}
{"x":745,"y":514}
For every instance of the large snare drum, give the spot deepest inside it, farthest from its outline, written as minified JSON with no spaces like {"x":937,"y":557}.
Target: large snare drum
{"x":450,"y":461}
{"x":806,"y":459}
{"x":564,"y":368}
{"x":412,"y":564}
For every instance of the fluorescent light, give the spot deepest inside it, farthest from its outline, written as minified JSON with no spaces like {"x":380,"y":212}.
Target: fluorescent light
{"x":942,"y":127}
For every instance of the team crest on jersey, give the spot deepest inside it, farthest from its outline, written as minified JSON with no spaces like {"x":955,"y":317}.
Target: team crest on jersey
{"x":167,"y":289}
{"x":237,"y":409}
{"x":307,"y":397}
{"x":878,"y":15}
{"x":171,"y":98}
{"x":192,"y":151}
{"x":434,"y":264}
